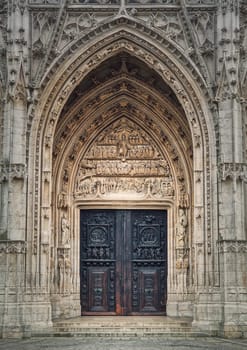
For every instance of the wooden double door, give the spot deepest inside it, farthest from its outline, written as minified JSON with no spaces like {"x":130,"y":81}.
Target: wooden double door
{"x":123,"y":262}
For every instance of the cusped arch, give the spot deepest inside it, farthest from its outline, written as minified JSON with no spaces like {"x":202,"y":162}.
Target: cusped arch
{"x":82,"y":56}
{"x":120,"y":94}
{"x":127,"y":26}
{"x":79,"y":144}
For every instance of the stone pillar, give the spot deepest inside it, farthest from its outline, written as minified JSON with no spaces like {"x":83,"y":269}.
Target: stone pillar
{"x":12,"y":269}
{"x":16,"y":314}
{"x":232,"y":171}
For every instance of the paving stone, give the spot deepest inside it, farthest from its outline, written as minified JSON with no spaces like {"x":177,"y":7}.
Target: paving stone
{"x":53,"y":343}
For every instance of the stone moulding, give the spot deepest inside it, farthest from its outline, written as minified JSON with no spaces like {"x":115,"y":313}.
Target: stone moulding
{"x":12,"y":171}
{"x":13,"y":247}
{"x":232,"y":246}
{"x":229,"y":171}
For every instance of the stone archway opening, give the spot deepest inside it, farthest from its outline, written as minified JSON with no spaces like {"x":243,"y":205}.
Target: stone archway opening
{"x":123,"y":141}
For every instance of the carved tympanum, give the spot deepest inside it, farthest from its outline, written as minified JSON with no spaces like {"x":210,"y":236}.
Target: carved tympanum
{"x":124,"y":161}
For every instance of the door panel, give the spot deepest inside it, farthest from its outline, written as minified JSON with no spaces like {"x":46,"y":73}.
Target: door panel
{"x":149,"y":265}
{"x":148,"y":286}
{"x":98,"y":288}
{"x":97,"y":261}
{"x":123,"y":262}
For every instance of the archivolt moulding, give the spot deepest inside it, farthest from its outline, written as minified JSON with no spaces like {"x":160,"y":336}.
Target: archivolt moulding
{"x":156,"y":57}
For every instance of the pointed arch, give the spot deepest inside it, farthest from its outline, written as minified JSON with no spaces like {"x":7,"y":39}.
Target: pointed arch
{"x":178,"y":73}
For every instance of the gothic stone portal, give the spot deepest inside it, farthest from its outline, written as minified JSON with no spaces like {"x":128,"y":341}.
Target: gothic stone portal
{"x":123,"y":262}
{"x":124,"y":147}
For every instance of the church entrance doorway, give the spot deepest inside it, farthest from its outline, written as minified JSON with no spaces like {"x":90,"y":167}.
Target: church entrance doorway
{"x":123,"y":262}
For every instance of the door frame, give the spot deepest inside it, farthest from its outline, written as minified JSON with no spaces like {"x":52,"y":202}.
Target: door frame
{"x":134,"y":205}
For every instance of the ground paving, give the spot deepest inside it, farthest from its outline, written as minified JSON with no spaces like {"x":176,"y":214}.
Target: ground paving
{"x":75,"y":343}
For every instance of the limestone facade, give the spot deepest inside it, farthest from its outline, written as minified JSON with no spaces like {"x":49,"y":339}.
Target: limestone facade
{"x":124,"y":104}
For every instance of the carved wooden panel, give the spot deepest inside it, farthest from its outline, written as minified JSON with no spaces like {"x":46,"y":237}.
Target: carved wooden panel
{"x":149,"y":261}
{"x":149,"y":290}
{"x":123,"y":262}
{"x":97,"y":261}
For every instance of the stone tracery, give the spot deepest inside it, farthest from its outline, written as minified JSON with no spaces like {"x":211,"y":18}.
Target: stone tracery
{"x":152,"y":121}
{"x":119,"y":141}
{"x":179,"y":40}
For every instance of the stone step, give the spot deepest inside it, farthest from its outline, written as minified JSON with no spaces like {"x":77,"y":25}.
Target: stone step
{"x":121,"y":330}
{"x":108,"y":326}
{"x":125,"y":327}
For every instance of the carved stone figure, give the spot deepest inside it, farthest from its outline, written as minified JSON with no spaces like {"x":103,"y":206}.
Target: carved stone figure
{"x":65,"y":231}
{"x":124,"y":159}
{"x":181,"y":229}
{"x":62,"y":200}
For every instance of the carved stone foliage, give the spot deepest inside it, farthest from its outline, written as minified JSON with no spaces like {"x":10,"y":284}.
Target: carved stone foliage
{"x":232,"y":246}
{"x":13,"y":247}
{"x":12,"y":171}
{"x":231,"y":171}
{"x":124,"y":161}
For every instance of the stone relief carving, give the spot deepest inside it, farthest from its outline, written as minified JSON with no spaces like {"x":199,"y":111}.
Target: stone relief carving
{"x":232,"y":246}
{"x":181,"y":243}
{"x":120,"y":87}
{"x":181,"y":230}
{"x":232,"y":171}
{"x":170,"y":23}
{"x":140,"y":53}
{"x":64,"y":271}
{"x":182,"y":262}
{"x":224,"y":91}
{"x":124,"y":161}
{"x":158,"y":2}
{"x":77,"y":23}
{"x":13,"y":247}
{"x":43,"y":23}
{"x":92,"y":2}
{"x":45,"y":2}
{"x":12,"y":171}
{"x":182,"y":266}
{"x":62,"y":200}
{"x":65,"y":231}
{"x":201,"y":2}
{"x":204,"y":31}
